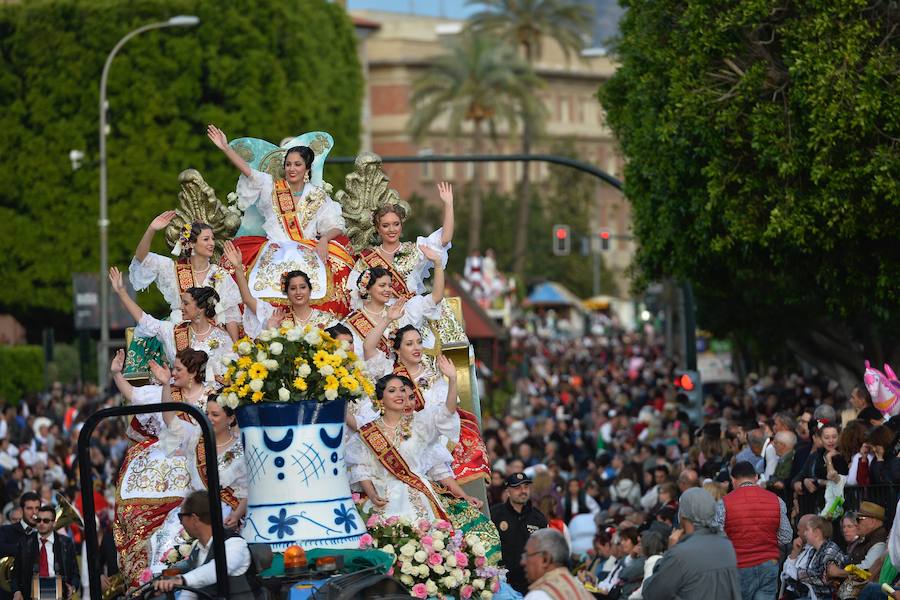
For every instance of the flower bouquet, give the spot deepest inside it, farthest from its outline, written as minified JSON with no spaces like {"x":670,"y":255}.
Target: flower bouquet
{"x":433,"y":560}
{"x":292,"y":364}
{"x":177,"y":553}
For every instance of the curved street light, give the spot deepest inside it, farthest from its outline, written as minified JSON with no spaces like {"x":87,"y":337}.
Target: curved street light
{"x":103,"y":222}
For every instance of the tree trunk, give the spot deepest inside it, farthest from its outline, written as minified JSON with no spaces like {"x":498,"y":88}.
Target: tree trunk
{"x":475,"y":217}
{"x":520,"y":249}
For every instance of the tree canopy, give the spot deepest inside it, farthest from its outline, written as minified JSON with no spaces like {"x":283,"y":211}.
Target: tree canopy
{"x":763,"y":148}
{"x":259,"y":68}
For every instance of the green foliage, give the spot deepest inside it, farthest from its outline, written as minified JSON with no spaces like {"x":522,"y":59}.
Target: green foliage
{"x":23,"y":372}
{"x":260,"y":68}
{"x":763,"y":160}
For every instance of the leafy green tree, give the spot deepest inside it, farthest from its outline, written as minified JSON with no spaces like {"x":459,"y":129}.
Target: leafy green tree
{"x":525,"y":24}
{"x":763,"y":147}
{"x":260,"y":68}
{"x":478,"y":81}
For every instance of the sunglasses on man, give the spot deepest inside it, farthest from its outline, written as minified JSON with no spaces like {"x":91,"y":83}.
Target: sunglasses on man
{"x":43,"y":520}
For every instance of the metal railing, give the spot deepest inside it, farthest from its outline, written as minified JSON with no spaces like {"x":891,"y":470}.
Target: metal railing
{"x":87,"y":488}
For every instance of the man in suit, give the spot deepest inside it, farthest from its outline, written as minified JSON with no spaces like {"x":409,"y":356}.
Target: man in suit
{"x":200,"y":568}
{"x":13,"y":533}
{"x":46,"y":554}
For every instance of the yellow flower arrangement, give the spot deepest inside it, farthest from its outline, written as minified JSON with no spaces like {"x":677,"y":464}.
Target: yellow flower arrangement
{"x":291,"y":364}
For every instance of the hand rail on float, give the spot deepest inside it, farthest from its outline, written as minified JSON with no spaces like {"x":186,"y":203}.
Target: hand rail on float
{"x":87,"y":488}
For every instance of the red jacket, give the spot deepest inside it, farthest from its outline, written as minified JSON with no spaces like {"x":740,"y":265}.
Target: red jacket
{"x":752,"y":516}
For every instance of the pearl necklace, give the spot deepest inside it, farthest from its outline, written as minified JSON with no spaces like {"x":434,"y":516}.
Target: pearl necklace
{"x":389,"y":252}
{"x":203,"y":335}
{"x":383,"y":312}
{"x":298,"y":320}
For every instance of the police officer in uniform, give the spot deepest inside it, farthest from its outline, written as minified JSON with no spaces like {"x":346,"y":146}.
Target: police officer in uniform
{"x":516,"y":519}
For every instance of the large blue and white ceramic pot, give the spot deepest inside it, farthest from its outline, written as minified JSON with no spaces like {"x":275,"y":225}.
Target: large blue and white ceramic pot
{"x":299,"y":492}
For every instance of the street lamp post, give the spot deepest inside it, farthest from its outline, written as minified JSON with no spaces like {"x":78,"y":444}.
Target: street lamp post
{"x":103,"y":222}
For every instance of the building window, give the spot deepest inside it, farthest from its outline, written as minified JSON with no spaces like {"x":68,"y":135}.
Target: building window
{"x":426,"y":167}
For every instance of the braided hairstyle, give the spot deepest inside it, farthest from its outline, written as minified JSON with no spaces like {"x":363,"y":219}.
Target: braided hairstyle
{"x":206,"y":299}
{"x":194,"y":361}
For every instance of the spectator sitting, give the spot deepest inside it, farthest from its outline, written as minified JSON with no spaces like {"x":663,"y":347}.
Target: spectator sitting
{"x":798,"y":561}
{"x":700,"y":566}
{"x":652,"y":547}
{"x":827,"y":553}
{"x":871,"y":544}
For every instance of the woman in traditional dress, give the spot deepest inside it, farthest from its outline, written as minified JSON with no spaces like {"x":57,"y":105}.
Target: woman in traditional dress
{"x":375,"y":288}
{"x":298,"y":217}
{"x":194,"y":268}
{"x":183,"y":437}
{"x":385,"y":457}
{"x":407,"y":263}
{"x":260,"y":315}
{"x":152,"y":484}
{"x":197,"y":331}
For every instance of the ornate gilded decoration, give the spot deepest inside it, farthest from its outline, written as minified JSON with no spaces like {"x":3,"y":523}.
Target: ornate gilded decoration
{"x":198,"y":202}
{"x":366,"y":189}
{"x":268,"y":272}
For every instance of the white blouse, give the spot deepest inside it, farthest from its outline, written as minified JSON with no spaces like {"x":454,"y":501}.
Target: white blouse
{"x":161,"y":269}
{"x":259,"y":189}
{"x":417,"y":311}
{"x":216,"y":345}
{"x":255,"y":323}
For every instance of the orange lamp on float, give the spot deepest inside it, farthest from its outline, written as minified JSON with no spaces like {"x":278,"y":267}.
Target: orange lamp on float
{"x":294,"y":558}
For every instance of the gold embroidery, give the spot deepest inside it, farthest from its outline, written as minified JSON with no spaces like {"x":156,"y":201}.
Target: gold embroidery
{"x":157,"y":476}
{"x":268,"y":271}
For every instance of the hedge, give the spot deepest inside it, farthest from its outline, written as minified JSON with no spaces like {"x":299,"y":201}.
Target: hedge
{"x":21,"y":372}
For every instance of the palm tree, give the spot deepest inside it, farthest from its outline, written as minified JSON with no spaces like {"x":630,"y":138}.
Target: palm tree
{"x":478,"y":81}
{"x":524,"y":24}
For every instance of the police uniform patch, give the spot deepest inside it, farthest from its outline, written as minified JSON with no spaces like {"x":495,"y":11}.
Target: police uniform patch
{"x":531,"y":528}
{"x":504,"y":525}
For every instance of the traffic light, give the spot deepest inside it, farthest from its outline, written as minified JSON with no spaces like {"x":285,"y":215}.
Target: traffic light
{"x":562,"y":240}
{"x":604,"y":240}
{"x":688,"y":383}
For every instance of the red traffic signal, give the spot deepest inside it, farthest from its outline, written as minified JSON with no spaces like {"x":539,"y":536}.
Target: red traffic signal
{"x":604,"y":235}
{"x":562,"y":242}
{"x":684,"y":382}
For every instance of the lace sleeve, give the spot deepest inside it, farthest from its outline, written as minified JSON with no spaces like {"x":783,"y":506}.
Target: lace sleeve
{"x":359,"y":458}
{"x":329,"y":217}
{"x":415,"y":281}
{"x":229,"y":296}
{"x":419,"y":309}
{"x":434,"y":421}
{"x":255,"y":323}
{"x":250,"y":188}
{"x":158,"y":269}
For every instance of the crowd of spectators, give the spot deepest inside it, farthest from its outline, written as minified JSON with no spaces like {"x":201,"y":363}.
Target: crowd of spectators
{"x":611,"y":448}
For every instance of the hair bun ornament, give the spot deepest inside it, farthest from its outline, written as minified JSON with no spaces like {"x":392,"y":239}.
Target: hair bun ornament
{"x":184,"y":236}
{"x":362,"y":284}
{"x":283,"y":279}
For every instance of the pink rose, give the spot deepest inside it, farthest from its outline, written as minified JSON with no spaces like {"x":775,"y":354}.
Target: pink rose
{"x":390,"y":572}
{"x":418,"y":591}
{"x":462,"y":561}
{"x":373,"y":521}
{"x":435,"y":559}
{"x":427,"y":540}
{"x":495,"y":586}
{"x":479,"y":561}
{"x":424,"y":525}
{"x":366,"y":540}
{"x":356,"y":497}
{"x":393,"y":520}
{"x":443,"y":525}
{"x":466,"y":592}
{"x":145,"y":576}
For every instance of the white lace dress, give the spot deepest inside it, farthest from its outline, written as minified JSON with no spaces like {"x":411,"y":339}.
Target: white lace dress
{"x":427,"y":427}
{"x":417,"y":311}
{"x":256,"y":322}
{"x":161,"y":270}
{"x":216,"y":345}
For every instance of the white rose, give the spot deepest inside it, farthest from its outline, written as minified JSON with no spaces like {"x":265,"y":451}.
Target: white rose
{"x":389,"y":549}
{"x":283,"y":394}
{"x":478,"y":549}
{"x":487,"y":595}
{"x":171,"y":556}
{"x":448,"y":582}
{"x":439,"y":569}
{"x":287,"y":323}
{"x":293,"y":334}
{"x":232,"y":401}
{"x":450,"y":561}
{"x":404,"y":520}
{"x":340,"y":353}
{"x":408,"y":550}
{"x":438,"y":545}
{"x":184,"y":549}
{"x":229,"y":358}
{"x":244,"y":348}
{"x":331,"y":394}
{"x":267,"y":335}
{"x":457,"y":574}
{"x":407,"y":580}
{"x":270,"y":364}
{"x":313,"y":338}
{"x":423,"y":570}
{"x":276,"y":348}
{"x":471,"y":540}
{"x":256,"y":384}
{"x":304,"y":370}
{"x":478,"y":584}
{"x":431,"y":588}
{"x":261,"y":356}
{"x":326,"y":370}
{"x":420,"y":556}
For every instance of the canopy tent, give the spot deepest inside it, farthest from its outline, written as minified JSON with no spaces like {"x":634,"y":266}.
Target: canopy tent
{"x":601,"y":302}
{"x":549,"y":294}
